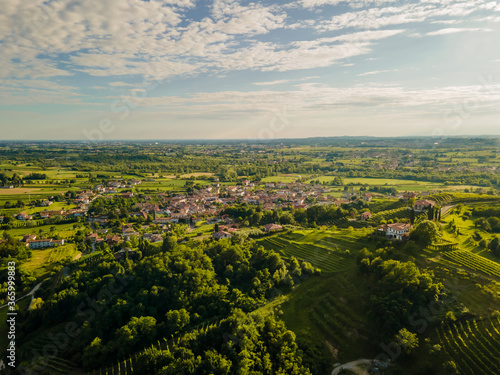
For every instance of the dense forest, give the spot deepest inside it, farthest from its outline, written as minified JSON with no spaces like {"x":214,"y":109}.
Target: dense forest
{"x":169,"y":294}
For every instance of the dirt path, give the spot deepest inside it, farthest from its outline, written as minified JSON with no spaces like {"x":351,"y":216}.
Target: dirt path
{"x":445,"y":209}
{"x":31,"y":293}
{"x":355,"y":366}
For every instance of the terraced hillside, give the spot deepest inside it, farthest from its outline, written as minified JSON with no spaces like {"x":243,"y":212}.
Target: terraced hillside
{"x":329,"y":310}
{"x":323,"y":249}
{"x":473,"y":345}
{"x":52,"y":364}
{"x":474,"y":262}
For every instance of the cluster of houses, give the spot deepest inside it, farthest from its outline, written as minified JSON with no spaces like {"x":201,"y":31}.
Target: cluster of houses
{"x":127,"y":232}
{"x":401,"y":231}
{"x":228,"y":232}
{"x":113,"y":186}
{"x":208,"y":203}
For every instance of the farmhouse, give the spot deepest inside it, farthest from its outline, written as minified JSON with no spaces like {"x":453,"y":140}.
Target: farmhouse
{"x":396,"y":231}
{"x":23,"y":216}
{"x":113,"y":239}
{"x":28,"y":237}
{"x":115,"y":184}
{"x":407,"y":196}
{"x":40,"y":244}
{"x":93,"y":238}
{"x":162,"y":220}
{"x":367,"y":197}
{"x":366,"y":215}
{"x":222,"y":234}
{"x":424,"y":204}
{"x":272,"y":227}
{"x":76,"y":212}
{"x":47,"y":214}
{"x":153,"y":237}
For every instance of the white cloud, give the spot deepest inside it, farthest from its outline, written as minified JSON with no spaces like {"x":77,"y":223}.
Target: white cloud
{"x":377,"y":72}
{"x":314,"y":97}
{"x":271,"y":83}
{"x":120,"y":84}
{"x":414,"y":12}
{"x":453,"y":30}
{"x":351,"y":3}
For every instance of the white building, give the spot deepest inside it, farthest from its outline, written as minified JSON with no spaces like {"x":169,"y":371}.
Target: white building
{"x":396,"y":231}
{"x":41,"y":244}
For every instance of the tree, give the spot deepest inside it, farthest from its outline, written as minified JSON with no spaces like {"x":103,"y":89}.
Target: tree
{"x":407,"y":340}
{"x":137,"y":333}
{"x":176,"y":320}
{"x":494,"y":246}
{"x":169,"y":243}
{"x":430,"y":213}
{"x":94,"y":353}
{"x":426,"y":232}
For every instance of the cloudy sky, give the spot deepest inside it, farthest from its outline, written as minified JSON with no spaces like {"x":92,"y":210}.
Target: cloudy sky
{"x":192,"y":69}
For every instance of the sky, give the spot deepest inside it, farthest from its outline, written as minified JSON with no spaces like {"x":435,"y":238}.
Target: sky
{"x":235,"y":69}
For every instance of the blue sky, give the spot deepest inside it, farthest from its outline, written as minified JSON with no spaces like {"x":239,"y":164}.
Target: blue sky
{"x":184,"y":69}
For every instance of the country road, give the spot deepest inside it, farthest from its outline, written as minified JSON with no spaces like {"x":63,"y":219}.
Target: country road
{"x":445,"y":209}
{"x":31,"y":293}
{"x":354,"y":367}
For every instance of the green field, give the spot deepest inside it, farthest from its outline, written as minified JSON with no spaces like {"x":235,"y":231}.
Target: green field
{"x":64,"y":230}
{"x":43,"y":260}
{"x":282,"y":178}
{"x":399,"y":184}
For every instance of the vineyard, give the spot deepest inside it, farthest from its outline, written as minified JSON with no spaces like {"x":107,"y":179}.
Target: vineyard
{"x":61,"y":253}
{"x":474,"y":262}
{"x":329,"y":309}
{"x":323,"y":251}
{"x":444,"y":198}
{"x":126,"y":367}
{"x":473,"y":345}
{"x":319,"y":256}
{"x":54,"y":364}
{"x":342,"y":324}
{"x":397,"y":213}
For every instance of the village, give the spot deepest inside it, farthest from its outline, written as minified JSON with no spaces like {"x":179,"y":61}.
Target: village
{"x":156,"y":213}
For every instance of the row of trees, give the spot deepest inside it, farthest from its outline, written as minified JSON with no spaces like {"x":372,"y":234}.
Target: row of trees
{"x":255,"y":216}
